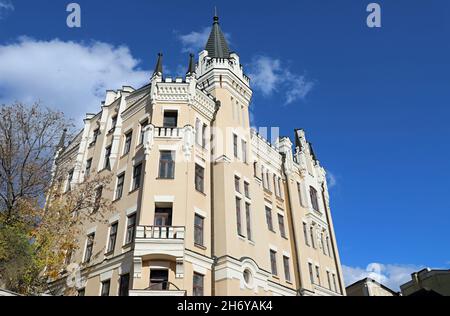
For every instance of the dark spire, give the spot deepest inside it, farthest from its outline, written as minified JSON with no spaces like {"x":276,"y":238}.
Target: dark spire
{"x":159,"y":66}
{"x":62,"y":141}
{"x":191,"y":68}
{"x":217,"y":46}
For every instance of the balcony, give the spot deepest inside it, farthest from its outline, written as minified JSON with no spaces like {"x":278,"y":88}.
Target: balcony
{"x":160,"y":240}
{"x":169,"y":132}
{"x":159,"y":289}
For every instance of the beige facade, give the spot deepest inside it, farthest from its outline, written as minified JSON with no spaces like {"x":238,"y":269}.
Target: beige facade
{"x":219,"y":210}
{"x":369,"y":287}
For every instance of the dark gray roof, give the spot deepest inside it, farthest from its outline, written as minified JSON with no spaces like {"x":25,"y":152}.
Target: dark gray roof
{"x":159,"y":65}
{"x":217,"y":46}
{"x":191,"y":68}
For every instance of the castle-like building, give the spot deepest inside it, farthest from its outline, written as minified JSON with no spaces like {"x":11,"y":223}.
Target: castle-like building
{"x":203,"y":204}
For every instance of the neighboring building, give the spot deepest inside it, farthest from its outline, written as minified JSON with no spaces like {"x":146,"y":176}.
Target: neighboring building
{"x":369,"y":287}
{"x":205,"y":206}
{"x":428,"y":282}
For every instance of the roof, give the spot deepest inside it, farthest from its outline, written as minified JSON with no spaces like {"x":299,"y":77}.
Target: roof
{"x":217,"y":45}
{"x":366,"y":280}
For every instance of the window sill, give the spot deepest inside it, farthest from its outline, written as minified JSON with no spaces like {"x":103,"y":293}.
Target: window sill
{"x":166,"y":179}
{"x":109,"y":254}
{"x":200,"y":192}
{"x":124,"y":155}
{"x":134,"y":191}
{"x":276,"y":277}
{"x":289,"y":282}
{"x":127,"y":246}
{"x":200,"y":247}
{"x":116,"y":200}
{"x":241,"y":237}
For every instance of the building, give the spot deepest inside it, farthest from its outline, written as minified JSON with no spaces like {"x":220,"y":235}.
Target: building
{"x":205,"y":205}
{"x":369,"y":287}
{"x":428,"y":282}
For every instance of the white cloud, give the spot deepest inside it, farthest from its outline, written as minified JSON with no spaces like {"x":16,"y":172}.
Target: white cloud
{"x":5,"y":7}
{"x":194,"y":41}
{"x":331,"y":179}
{"x":270,"y":76}
{"x":69,"y":76}
{"x":390,"y":275}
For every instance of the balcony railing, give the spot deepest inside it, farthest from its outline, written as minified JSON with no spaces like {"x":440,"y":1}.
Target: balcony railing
{"x":160,"y":232}
{"x":168,"y":132}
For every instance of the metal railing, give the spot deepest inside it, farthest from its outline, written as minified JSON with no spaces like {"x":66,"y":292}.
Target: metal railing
{"x":163,"y":286}
{"x":160,"y":232}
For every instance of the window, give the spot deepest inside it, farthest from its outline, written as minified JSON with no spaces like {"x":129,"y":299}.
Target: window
{"x":237,"y":185}
{"x":198,"y":230}
{"x":311,"y":273}
{"x":318,"y":275}
{"x":204,"y":136}
{"x":275,"y":187}
{"x":322,"y":241}
{"x":137,"y":177}
{"x":159,"y":280}
{"x":113,"y":123}
{"x":280,"y":191}
{"x":335,"y":284}
{"x":81,"y":292}
{"x":69,"y":180}
{"x":199,"y":178}
{"x":330,"y":253}
{"x":95,"y":136}
{"x":89,"y":248}
{"x":112,"y":237}
{"x":311,"y":233}
{"x":235,"y":145}
{"x":167,"y":165}
{"x":273,"y":262}
{"x":299,"y":189}
{"x":170,"y":119}
{"x":87,"y":171}
{"x":247,"y":190}
{"x":124,"y":285}
{"x":98,"y":198}
{"x":329,"y":280}
{"x":249,"y":221}
{"x":314,"y":201}
{"x":281,"y":225}
{"x":163,"y":217}
{"x":198,"y":132}
{"x":263,"y":177}
{"x":269,"y":218}
{"x":268,"y":181}
{"x":107,"y":164}
{"x":287,"y":270}
{"x":131,"y":228}
{"x":128,"y":139}
{"x":105,"y":287}
{"x":119,"y":189}
{"x":244,"y":151}
{"x":143,"y":126}
{"x":198,"y":284}
{"x":305,"y":233}
{"x":238,"y":216}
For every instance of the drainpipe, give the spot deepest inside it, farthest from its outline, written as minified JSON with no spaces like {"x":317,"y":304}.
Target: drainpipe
{"x":215,"y":259}
{"x":298,"y":275}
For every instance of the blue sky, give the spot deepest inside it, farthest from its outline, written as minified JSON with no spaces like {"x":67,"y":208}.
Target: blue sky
{"x":375,"y":102}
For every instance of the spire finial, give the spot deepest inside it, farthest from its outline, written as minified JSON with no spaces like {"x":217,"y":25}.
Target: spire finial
{"x":191,"y":68}
{"x":159,"y":65}
{"x":216,"y":16}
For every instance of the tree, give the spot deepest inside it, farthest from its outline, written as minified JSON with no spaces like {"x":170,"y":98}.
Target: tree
{"x":39,"y":218}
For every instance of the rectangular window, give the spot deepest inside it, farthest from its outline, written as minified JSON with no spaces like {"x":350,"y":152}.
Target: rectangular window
{"x":314,"y":201}
{"x":137,"y":175}
{"x":107,"y":164}
{"x":198,"y":132}
{"x":248,"y":216}
{"x":273,"y":262}
{"x":244,"y":151}
{"x":81,"y":292}
{"x":269,"y":218}
{"x":119,"y":188}
{"x":106,"y":285}
{"x":69,"y":180}
{"x":280,"y":191}
{"x":95,"y":136}
{"x":128,"y":139}
{"x":318,"y":275}
{"x":198,"y":230}
{"x":237,"y":184}
{"x":305,"y":233}
{"x":143,"y":126}
{"x":311,"y":273}
{"x":281,"y":225}
{"x":89,"y":247}
{"x":329,"y":280}
{"x":275,"y":187}
{"x":299,"y":189}
{"x":159,"y":280}
{"x":112,"y":237}
{"x":322,"y":241}
{"x":330,"y":253}
{"x":167,"y":165}
{"x":198,"y":284}
{"x":87,"y":171}
{"x":199,"y":178}
{"x":287,"y":270}
{"x":131,"y":229}
{"x":313,"y":240}
{"x":124,"y":285}
{"x":335,"y":284}
{"x":235,"y":146}
{"x":170,"y":119}
{"x":204,"y":136}
{"x":239,"y":216}
{"x":247,"y":190}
